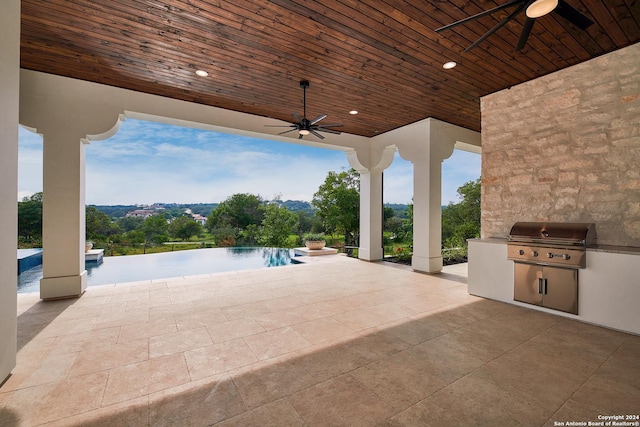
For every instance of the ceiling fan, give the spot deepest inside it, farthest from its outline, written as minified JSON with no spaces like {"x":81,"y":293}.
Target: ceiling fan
{"x":533,"y":9}
{"x":305,"y":126}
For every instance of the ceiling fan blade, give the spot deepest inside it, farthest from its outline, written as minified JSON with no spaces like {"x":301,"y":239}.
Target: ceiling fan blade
{"x":480,"y":15}
{"x":328,"y":125}
{"x":316,"y":134}
{"x":297,"y":117}
{"x":287,"y":131}
{"x":317,"y":119}
{"x":335,"y":132}
{"x":524,"y":35}
{"x":496,"y":27}
{"x":280,"y":126}
{"x":572,"y":15}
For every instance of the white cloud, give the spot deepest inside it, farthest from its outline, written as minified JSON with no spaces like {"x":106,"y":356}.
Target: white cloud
{"x":149,"y":162}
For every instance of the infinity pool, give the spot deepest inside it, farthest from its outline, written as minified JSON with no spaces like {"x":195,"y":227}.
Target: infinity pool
{"x":134,"y":268}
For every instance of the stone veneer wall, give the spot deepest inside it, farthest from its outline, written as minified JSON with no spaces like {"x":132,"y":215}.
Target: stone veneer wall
{"x":566,"y":148}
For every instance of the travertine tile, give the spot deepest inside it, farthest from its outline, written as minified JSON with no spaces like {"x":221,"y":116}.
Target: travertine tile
{"x":398,"y":381}
{"x":107,"y":356}
{"x":52,"y":401}
{"x":270,"y":344}
{"x":276,"y":414}
{"x":233,"y":329}
{"x":364,"y":345}
{"x":142,"y":378}
{"x":198,"y":403}
{"x":342,"y":401}
{"x":362,"y":318}
{"x":322,"y":330}
{"x":218,"y":358}
{"x":49,"y":368}
{"x":132,"y":413}
{"x":177,"y":342}
{"x":201,"y":318}
{"x":137,"y":331}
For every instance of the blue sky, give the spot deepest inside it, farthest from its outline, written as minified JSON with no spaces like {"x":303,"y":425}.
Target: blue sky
{"x":149,"y":162}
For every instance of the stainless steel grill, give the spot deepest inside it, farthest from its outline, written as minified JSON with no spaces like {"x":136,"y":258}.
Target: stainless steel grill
{"x":547,"y":257}
{"x":551,"y":243}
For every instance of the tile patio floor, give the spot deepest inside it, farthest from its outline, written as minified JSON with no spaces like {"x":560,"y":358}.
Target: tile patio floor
{"x":333,"y":342}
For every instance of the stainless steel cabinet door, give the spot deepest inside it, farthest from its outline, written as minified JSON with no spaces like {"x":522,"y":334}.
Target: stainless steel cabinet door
{"x":528,"y":283}
{"x":561,"y":290}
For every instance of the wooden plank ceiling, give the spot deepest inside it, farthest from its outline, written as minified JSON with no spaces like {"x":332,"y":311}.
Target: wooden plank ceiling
{"x":382,"y":58}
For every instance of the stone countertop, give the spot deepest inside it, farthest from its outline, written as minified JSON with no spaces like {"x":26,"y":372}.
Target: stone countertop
{"x":631,"y":250}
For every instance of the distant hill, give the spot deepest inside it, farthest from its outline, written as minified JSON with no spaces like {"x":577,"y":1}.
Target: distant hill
{"x":399,"y":209}
{"x":299,"y":205}
{"x":204,"y":209}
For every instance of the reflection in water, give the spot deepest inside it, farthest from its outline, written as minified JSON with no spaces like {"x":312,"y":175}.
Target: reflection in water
{"x":273,"y":257}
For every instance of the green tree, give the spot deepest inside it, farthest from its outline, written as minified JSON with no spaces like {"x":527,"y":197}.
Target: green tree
{"x":30,"y":218}
{"x":184,"y":227}
{"x":278,"y":223}
{"x":98,"y":224}
{"x":237,"y":212}
{"x":461,"y":221}
{"x":338,"y":203}
{"x":156,"y":229}
{"x":130,"y":223}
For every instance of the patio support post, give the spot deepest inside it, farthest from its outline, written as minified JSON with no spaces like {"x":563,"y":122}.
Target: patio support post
{"x":427,"y":201}
{"x":371,"y":246}
{"x":427,"y":144}
{"x":370,"y":166}
{"x":9,"y":108}
{"x":63,"y":216}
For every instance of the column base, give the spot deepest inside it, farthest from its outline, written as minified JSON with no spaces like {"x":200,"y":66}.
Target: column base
{"x":63,"y":287}
{"x":371,"y":254}
{"x":427,"y":265}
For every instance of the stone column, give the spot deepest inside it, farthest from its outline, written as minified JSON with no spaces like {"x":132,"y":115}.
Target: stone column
{"x":63,"y":216}
{"x":9,"y":103}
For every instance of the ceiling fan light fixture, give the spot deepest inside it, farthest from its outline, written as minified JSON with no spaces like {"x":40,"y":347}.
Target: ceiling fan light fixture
{"x":540,"y":8}
{"x":304,"y":132}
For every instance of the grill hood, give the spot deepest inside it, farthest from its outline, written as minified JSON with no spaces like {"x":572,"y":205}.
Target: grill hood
{"x":553,"y":233}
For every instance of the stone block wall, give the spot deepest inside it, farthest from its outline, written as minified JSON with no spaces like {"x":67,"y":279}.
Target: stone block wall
{"x":566,"y":148}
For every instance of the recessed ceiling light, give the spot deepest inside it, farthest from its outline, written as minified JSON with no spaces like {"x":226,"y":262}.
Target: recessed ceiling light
{"x":202,"y":73}
{"x":449,"y":65}
{"x":353,"y":112}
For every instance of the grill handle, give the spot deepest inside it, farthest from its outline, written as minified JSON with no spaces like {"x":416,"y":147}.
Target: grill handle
{"x":540,"y":282}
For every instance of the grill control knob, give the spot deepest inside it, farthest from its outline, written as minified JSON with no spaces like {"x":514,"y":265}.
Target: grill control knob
{"x":549,"y":255}
{"x":534,"y":253}
{"x":566,"y":256}
{"x":521,"y":252}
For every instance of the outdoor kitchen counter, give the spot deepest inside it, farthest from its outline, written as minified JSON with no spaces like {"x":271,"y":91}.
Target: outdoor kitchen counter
{"x":615,"y":249}
{"x":608,"y":288}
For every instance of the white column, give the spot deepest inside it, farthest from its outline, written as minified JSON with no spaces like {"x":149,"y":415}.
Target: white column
{"x":370,"y":162}
{"x":63,"y":219}
{"x":426,"y":144}
{"x":371,"y":247}
{"x":427,"y":212}
{"x":9,"y":103}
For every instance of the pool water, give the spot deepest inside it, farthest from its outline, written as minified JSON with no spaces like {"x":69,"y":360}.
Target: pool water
{"x":134,"y":268}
